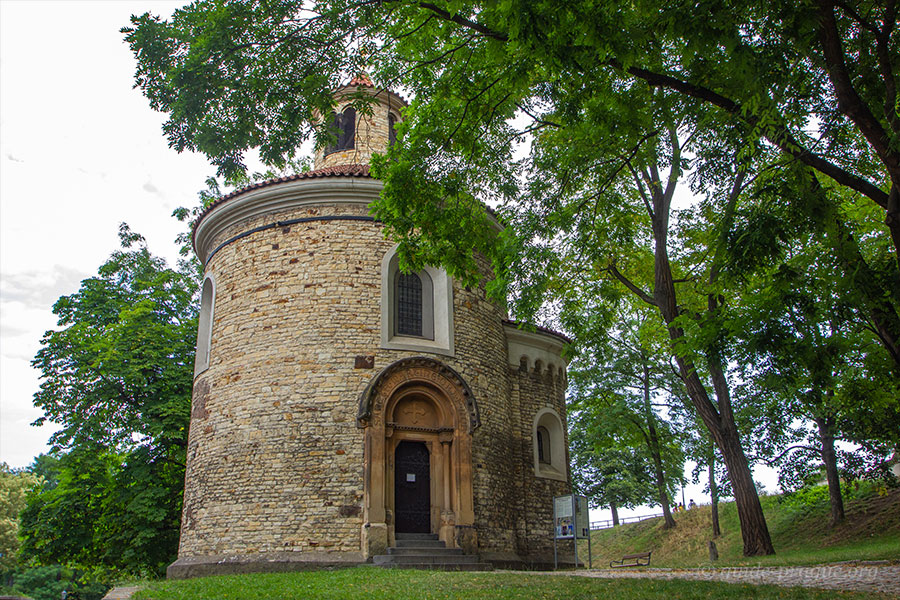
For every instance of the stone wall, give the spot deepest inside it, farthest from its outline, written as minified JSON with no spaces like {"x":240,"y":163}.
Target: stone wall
{"x":275,"y":458}
{"x":533,"y":390}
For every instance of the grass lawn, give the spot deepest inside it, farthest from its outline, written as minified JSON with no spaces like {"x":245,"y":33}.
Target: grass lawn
{"x":393,"y":584}
{"x":800,"y":532}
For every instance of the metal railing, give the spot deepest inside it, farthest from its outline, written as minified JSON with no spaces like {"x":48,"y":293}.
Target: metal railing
{"x":607,"y":523}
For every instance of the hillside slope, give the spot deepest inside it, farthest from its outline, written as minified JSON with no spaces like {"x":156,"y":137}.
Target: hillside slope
{"x":799,"y":527}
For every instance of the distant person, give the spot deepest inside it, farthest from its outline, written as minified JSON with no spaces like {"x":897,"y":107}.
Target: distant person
{"x":692,"y":504}
{"x":680,"y":507}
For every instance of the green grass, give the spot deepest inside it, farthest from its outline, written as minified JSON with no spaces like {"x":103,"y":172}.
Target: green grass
{"x":375,"y":583}
{"x":800,"y":530}
{"x":799,"y":527}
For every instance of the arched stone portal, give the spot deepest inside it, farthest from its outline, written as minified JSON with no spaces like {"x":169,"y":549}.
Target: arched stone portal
{"x":420,"y":401}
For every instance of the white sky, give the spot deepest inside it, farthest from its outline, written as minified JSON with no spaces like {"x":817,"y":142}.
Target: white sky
{"x":80,"y":152}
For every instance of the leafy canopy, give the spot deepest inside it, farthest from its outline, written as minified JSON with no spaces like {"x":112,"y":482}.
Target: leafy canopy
{"x":117,"y":378}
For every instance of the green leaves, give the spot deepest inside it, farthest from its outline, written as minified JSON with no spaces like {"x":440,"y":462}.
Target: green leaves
{"x":117,"y":378}
{"x":123,"y":356}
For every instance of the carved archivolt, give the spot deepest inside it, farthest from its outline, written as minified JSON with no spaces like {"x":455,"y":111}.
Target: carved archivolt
{"x":418,"y":369}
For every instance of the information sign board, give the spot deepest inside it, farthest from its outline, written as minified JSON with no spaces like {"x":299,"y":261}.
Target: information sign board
{"x":570,"y":517}
{"x":582,"y":518}
{"x":571,"y":521}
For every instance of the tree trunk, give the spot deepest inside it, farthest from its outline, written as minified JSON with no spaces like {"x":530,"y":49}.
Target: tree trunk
{"x":661,"y":489}
{"x":653,"y":443}
{"x":615,"y":513}
{"x":720,"y":422}
{"x":714,"y":496}
{"x":826,"y":436}
{"x":754,"y":531}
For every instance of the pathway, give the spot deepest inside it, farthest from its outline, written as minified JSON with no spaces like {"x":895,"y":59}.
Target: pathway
{"x":863,"y":576}
{"x":121,"y":593}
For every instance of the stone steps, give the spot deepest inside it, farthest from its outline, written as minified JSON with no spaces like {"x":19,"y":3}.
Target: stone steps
{"x":416,"y":551}
{"x":426,"y":551}
{"x":420,"y":544}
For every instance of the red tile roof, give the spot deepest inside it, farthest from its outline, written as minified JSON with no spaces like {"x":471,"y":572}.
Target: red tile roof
{"x":353,"y":170}
{"x":362,"y":79}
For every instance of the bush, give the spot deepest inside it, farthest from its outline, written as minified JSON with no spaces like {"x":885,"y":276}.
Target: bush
{"x":814,"y":498}
{"x":48,"y":583}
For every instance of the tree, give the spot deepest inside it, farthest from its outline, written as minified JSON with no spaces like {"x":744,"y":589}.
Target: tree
{"x":119,"y":370}
{"x":239,"y":75}
{"x":614,"y":477}
{"x":14,"y":485}
{"x":117,"y":378}
{"x":618,"y":384}
{"x":746,"y":83}
{"x":807,"y":345}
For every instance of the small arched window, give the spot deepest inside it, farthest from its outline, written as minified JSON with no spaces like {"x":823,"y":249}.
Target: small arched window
{"x":409,"y":304}
{"x":549,"y":446}
{"x":343,"y":127}
{"x":392,"y":132}
{"x":543,"y":445}
{"x":413,"y":312}
{"x":416,"y":308}
{"x":204,"y":326}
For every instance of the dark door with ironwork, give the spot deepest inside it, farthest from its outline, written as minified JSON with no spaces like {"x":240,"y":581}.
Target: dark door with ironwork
{"x":412,"y":488}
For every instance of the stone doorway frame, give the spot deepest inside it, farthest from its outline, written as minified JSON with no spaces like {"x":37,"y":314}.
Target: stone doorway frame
{"x":419,"y":399}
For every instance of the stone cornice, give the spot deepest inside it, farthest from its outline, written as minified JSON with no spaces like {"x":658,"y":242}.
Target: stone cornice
{"x":279,"y":197}
{"x":535,"y":346}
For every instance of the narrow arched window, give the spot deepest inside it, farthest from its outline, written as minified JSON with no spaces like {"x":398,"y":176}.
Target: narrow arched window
{"x":416,"y":308}
{"x":204,"y":326}
{"x":343,"y":127}
{"x":392,"y":132}
{"x":543,"y":445}
{"x":549,"y":446}
{"x":409,"y":304}
{"x":348,"y":129}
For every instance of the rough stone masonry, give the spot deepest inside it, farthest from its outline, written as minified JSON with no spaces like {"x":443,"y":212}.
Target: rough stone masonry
{"x":304,"y":389}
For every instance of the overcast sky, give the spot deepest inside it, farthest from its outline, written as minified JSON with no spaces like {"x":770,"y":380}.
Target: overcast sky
{"x":80,"y":152}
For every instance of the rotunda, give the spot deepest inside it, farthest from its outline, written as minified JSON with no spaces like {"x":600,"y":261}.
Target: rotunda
{"x":339,"y":403}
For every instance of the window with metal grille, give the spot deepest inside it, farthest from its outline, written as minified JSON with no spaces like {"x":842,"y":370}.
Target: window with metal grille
{"x":392,"y":132}
{"x":409,"y":304}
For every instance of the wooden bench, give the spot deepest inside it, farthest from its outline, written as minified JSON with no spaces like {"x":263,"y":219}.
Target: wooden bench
{"x":634,"y":560}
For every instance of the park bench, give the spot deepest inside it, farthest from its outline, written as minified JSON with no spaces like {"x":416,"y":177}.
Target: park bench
{"x":634,"y":560}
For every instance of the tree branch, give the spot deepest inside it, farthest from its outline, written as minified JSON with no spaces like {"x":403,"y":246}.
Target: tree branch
{"x":482,"y":29}
{"x":780,"y":137}
{"x":849,"y":101}
{"x":774,"y":461}
{"x":631,"y":286}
